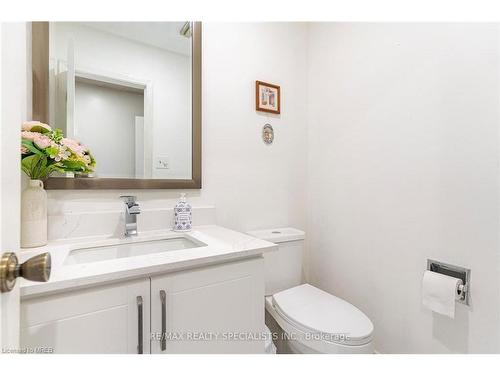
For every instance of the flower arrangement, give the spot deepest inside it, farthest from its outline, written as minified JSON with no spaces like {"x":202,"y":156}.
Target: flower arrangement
{"x":44,"y":151}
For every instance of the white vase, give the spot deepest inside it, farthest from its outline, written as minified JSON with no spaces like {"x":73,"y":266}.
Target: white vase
{"x":34,"y":215}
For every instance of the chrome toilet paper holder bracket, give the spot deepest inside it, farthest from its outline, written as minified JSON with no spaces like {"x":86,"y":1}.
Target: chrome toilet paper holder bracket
{"x":462,"y":273}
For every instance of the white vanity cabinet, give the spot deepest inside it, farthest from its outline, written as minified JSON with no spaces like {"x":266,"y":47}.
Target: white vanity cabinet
{"x":112,"y":318}
{"x":186,"y":306}
{"x":217,"y":309}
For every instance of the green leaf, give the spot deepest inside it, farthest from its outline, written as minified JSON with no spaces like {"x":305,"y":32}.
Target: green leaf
{"x":28,"y":165}
{"x":26,"y":162}
{"x":31,"y":147}
{"x":73,"y":166}
{"x":25,"y":170}
{"x":39,"y":129}
{"x":52,"y":168}
{"x":52,"y":151}
{"x":38,"y":166}
{"x":56,"y":135}
{"x":41,"y":166}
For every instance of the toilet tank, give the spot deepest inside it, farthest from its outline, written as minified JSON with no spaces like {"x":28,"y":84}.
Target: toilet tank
{"x":283,"y":268}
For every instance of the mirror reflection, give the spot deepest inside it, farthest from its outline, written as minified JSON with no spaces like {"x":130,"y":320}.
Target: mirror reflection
{"x":124,"y":90}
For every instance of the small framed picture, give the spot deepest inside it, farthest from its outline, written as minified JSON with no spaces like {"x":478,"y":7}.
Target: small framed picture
{"x":267,"y":97}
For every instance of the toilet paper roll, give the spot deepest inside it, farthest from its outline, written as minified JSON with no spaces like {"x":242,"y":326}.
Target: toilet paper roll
{"x":439,"y":293}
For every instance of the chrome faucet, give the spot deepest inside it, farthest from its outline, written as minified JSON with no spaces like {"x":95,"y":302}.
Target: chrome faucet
{"x":132,"y":209}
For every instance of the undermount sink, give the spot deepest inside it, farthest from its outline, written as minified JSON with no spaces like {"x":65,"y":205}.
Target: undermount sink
{"x":130,"y":249}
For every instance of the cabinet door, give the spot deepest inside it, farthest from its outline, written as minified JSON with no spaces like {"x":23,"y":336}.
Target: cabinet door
{"x":200,"y":311}
{"x":103,"y":319}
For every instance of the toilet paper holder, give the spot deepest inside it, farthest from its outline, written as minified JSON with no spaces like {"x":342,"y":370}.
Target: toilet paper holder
{"x":454,"y":271}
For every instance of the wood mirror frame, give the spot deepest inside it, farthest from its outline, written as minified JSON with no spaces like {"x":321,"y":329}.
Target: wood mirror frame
{"x":40,"y":69}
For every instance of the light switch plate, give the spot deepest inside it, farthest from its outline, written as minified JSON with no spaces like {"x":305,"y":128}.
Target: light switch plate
{"x":161,"y":162}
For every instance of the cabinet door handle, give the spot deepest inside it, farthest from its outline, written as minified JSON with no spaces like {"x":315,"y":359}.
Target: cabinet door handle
{"x":140,"y":323}
{"x":163,"y":342}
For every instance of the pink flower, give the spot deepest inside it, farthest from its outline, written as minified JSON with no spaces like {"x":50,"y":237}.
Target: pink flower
{"x":24,"y":150}
{"x":28,"y":125}
{"x":74,"y":146}
{"x":30,"y":136}
{"x":42,"y":141}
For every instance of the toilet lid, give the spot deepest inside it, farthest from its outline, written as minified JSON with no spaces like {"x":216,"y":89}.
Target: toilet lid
{"x":315,"y":311}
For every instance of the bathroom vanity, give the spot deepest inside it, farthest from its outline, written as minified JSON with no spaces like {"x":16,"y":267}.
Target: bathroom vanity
{"x":159,"y":292}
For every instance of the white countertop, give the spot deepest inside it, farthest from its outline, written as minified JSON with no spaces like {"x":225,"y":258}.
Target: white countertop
{"x":222,"y":245}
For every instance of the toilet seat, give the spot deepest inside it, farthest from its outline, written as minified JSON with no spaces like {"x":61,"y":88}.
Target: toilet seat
{"x":324,"y":322}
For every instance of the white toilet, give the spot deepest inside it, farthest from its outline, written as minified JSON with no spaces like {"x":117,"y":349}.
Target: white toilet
{"x":313,"y":320}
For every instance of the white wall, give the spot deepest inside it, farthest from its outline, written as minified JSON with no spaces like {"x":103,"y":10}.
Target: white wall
{"x":252,"y":185}
{"x":403,"y":166}
{"x":105,"y":121}
{"x":168,"y":72}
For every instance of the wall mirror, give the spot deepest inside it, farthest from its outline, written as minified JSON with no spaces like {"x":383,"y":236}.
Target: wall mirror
{"x":130,"y":92}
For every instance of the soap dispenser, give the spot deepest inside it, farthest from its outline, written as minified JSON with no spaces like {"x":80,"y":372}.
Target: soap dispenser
{"x":183,"y":215}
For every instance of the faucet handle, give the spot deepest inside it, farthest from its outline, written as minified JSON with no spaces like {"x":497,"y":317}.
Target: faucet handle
{"x":130,"y":199}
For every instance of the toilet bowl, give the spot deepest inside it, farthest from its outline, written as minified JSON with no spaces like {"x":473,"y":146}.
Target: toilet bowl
{"x":312,"y":320}
{"x":269,"y":347}
{"x":317,"y":322}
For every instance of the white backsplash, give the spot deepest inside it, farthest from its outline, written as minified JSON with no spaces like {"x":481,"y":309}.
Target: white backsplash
{"x":66,"y":225}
